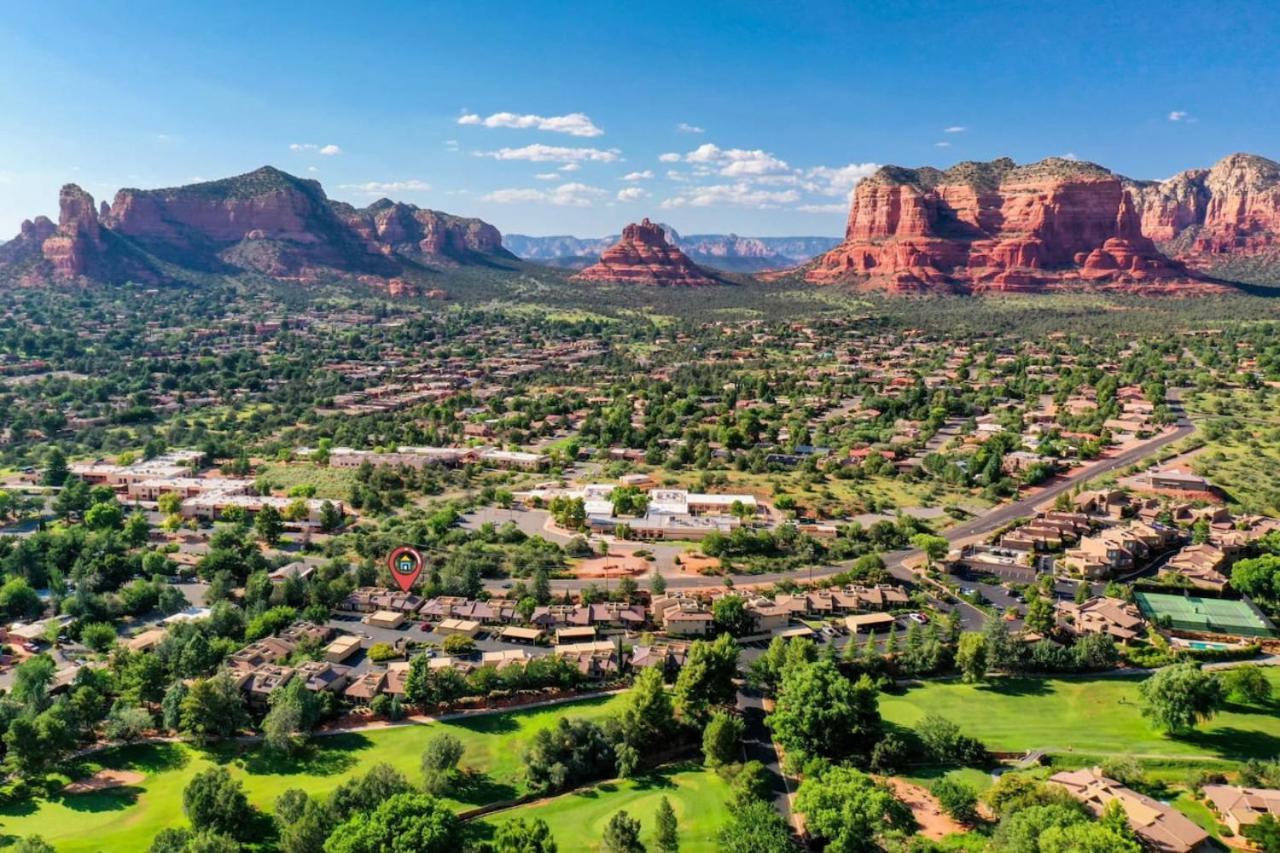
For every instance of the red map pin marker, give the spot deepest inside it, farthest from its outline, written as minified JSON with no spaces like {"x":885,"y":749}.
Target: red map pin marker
{"x":405,"y":564}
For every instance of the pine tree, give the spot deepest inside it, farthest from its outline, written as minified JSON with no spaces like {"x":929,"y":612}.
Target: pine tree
{"x":668,"y":841}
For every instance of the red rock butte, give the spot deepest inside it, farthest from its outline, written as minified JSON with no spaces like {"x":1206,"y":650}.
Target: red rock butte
{"x":998,"y":226}
{"x":643,"y":256}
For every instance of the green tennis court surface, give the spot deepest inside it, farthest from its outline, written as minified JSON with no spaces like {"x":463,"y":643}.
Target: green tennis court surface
{"x":1210,"y":615}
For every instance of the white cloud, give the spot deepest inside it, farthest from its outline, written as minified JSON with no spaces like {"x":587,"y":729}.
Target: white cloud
{"x":538,"y":153}
{"x":674,"y":175}
{"x":574,"y":124}
{"x":565,"y":195}
{"x":683,"y":127}
{"x":570,"y":167}
{"x":1179,"y":115}
{"x":955,"y":128}
{"x":548,"y":176}
{"x":942,"y":145}
{"x":823,"y":208}
{"x":1070,"y":155}
{"x":733,"y":162}
{"x":632,"y":194}
{"x":387,"y":187}
{"x":670,"y":157}
{"x":837,"y":180}
{"x":740,"y":194}
{"x":638,"y":176}
{"x":327,"y":150}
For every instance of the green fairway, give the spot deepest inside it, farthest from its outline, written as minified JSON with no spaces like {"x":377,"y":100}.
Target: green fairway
{"x":1089,"y":715}
{"x":128,"y":818}
{"x":577,"y":820}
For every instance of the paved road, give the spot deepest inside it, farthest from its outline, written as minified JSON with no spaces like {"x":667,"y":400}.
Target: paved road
{"x":757,"y":743}
{"x":992,"y":520}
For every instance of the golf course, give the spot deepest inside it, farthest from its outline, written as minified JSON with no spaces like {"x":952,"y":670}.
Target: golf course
{"x":127,"y":818}
{"x":1088,"y":715}
{"x":698,"y":797}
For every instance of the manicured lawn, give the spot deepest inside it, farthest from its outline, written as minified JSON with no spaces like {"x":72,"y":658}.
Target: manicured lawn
{"x":577,"y":820}
{"x":128,"y":818}
{"x":1089,"y":715}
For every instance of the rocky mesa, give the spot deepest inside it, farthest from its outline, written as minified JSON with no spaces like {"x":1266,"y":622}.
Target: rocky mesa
{"x":265,"y":222}
{"x":1222,"y":220}
{"x":643,"y":256}
{"x":997,"y":226}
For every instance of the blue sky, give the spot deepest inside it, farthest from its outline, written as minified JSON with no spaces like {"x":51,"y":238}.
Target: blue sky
{"x":553,"y":118}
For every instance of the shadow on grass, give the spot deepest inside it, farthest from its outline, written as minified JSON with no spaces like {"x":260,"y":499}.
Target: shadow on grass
{"x":145,"y":758}
{"x":327,"y":756}
{"x":481,"y":789}
{"x":1232,"y":742}
{"x":1017,"y":687}
{"x":108,"y":800}
{"x":1270,"y":708}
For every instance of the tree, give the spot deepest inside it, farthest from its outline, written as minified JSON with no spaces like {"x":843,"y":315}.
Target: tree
{"x":971,"y":657}
{"x":524,"y":836}
{"x":33,"y":844}
{"x":107,"y":515}
{"x":934,"y":547}
{"x":657,"y":584}
{"x":55,"y":467}
{"x":1264,"y":833}
{"x":1178,"y":697}
{"x":720,"y":739}
{"x":820,"y":712}
{"x":404,"y":823}
{"x":666,"y":836}
{"x":1258,"y":577}
{"x":706,"y":679}
{"x":213,"y":708}
{"x":269,"y":525}
{"x":849,"y":810}
{"x":647,"y":716}
{"x":31,"y":681}
{"x":214,"y":801}
{"x":169,"y":503}
{"x":18,"y":600}
{"x":137,"y":529}
{"x":128,"y":723}
{"x":1040,"y":615}
{"x":294,"y":712}
{"x":1248,"y":684}
{"x":622,"y":834}
{"x":98,"y":636}
{"x":440,"y":762}
{"x":755,"y":827}
{"x":944,"y":743}
{"x":731,"y":615}
{"x":957,"y":799}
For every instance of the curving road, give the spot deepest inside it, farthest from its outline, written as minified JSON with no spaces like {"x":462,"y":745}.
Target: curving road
{"x":992,"y":520}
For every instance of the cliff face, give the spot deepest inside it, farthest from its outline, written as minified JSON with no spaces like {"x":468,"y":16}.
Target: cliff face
{"x":997,"y":226}
{"x":265,"y":222}
{"x":1222,"y":219}
{"x":643,"y":256}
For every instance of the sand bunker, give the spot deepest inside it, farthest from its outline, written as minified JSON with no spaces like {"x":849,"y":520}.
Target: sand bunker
{"x":105,"y":779}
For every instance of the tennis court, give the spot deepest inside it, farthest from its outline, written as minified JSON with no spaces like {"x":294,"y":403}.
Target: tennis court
{"x":1208,"y":615}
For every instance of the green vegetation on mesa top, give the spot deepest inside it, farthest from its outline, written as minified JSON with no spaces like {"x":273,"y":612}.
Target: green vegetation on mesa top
{"x":128,"y":818}
{"x":1084,"y":715}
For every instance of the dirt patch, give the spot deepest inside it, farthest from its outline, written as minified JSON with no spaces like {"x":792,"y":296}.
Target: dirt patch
{"x":104,"y":779}
{"x":934,"y":822}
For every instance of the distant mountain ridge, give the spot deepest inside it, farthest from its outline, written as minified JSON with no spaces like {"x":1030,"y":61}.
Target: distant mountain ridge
{"x":266,"y":222}
{"x":728,"y":252}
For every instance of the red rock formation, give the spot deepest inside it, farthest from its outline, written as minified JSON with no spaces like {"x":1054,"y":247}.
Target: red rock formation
{"x":78,"y":240}
{"x":995,"y":226}
{"x":394,"y":227}
{"x":1207,"y":217}
{"x":643,"y":256}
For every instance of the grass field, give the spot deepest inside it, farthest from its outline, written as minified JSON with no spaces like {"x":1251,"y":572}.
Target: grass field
{"x":577,"y":820}
{"x":330,"y":483}
{"x":128,"y":818}
{"x":1099,"y":716}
